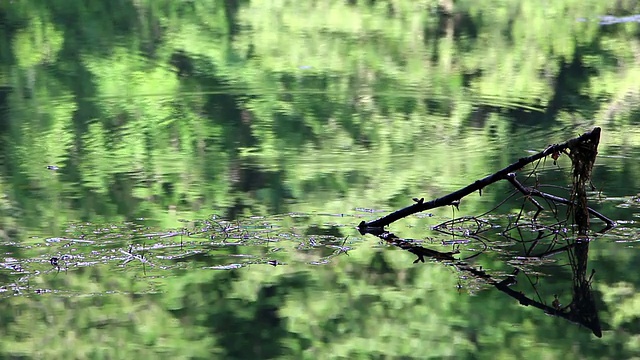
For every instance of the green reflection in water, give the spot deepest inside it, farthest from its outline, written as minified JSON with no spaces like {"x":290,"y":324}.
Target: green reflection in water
{"x":163,"y":111}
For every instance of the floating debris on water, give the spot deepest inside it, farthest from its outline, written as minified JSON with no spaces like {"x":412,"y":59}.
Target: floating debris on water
{"x":610,"y":20}
{"x":225,"y":267}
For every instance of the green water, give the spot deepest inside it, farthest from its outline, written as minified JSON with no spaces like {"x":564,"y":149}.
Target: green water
{"x":184,"y":179}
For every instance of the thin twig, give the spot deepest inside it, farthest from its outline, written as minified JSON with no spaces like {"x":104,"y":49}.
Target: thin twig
{"x":375,"y":227}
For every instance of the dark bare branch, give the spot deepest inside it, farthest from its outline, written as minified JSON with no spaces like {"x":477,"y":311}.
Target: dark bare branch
{"x":375,"y":227}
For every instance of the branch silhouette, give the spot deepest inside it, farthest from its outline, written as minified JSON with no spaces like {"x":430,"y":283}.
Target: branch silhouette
{"x":376,"y":227}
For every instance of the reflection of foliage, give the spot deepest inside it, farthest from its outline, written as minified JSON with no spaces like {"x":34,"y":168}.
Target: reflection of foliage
{"x":380,"y":84}
{"x":37,"y":44}
{"x":368,"y":302}
{"x":151,"y":106}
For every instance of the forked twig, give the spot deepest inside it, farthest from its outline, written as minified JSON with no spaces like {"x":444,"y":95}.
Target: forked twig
{"x":376,"y":227}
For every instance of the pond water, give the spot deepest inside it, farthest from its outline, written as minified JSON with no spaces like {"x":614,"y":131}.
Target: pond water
{"x":186,"y":180}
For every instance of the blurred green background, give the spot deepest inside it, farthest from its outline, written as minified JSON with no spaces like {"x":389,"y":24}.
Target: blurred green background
{"x":305,"y":117}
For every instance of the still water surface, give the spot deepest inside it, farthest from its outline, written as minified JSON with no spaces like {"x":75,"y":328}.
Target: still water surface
{"x":185,"y":181}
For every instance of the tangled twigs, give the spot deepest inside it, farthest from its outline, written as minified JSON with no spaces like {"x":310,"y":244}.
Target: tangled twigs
{"x":376,"y":227}
{"x":581,"y":308}
{"x":528,"y":191}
